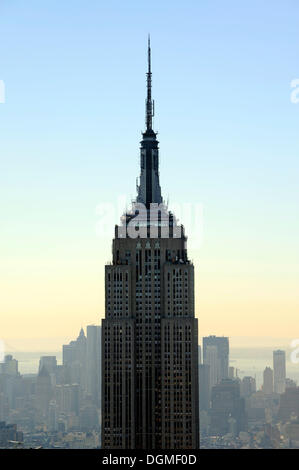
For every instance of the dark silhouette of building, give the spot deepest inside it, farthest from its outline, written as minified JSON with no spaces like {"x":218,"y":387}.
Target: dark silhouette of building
{"x":49,"y":362}
{"x":74,"y":360}
{"x":43,"y":391}
{"x":150,"y":339}
{"x":268,"y":384}
{"x":226,"y":404}
{"x":289,"y":404}
{"x":9,"y":435}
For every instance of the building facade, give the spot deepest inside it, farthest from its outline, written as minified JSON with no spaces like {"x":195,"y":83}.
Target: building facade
{"x":221,"y":343}
{"x":93,"y":363}
{"x":227,"y":404}
{"x":279,"y":367}
{"x":149,"y":334}
{"x":268,"y":381}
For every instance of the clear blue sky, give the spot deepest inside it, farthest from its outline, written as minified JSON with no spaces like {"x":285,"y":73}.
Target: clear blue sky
{"x":69,"y":139}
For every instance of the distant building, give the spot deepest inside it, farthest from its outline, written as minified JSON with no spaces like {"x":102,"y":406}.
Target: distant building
{"x":93,"y":363}
{"x":279,"y":366}
{"x":231,"y":372}
{"x":204,"y":387}
{"x":272,"y":436}
{"x":43,"y":391}
{"x":289,"y":404}
{"x":50,"y":364}
{"x":248,"y":386}
{"x":68,"y":398}
{"x":255,"y":407}
{"x":268,"y":386}
{"x":292,"y":432}
{"x":222,"y":345}
{"x":89,"y":418}
{"x":226,"y":404}
{"x":290,"y":383}
{"x":74,"y":360}
{"x":52,"y":416}
{"x":3,"y":406}
{"x":211,"y":360}
{"x":9,"y":435}
{"x":9,"y":366}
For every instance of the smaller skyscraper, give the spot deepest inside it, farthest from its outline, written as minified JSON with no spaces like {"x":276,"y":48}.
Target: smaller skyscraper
{"x":268,"y":381}
{"x":43,"y":391}
{"x":52,"y":416}
{"x":289,"y":404}
{"x":9,"y":433}
{"x":231,"y":372}
{"x":49,"y":362}
{"x":211,"y":359}
{"x":93,"y":363}
{"x":279,"y":366}
{"x":248,"y":386}
{"x":74,"y":360}
{"x":222,"y":345}
{"x":227,"y":404}
{"x":68,"y":398}
{"x":9,"y":366}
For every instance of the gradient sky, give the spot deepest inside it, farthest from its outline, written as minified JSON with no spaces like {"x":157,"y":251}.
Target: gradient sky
{"x":70,"y":128}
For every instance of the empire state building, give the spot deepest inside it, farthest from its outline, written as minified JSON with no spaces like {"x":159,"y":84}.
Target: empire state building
{"x":149,"y":334}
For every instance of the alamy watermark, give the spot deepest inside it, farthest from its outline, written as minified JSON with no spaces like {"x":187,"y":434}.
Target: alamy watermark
{"x":294,"y":356}
{"x":153,"y":222}
{"x":2,"y":91}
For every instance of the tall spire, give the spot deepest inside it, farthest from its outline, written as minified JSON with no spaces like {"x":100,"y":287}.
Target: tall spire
{"x":149,"y":190}
{"x":149,"y":109}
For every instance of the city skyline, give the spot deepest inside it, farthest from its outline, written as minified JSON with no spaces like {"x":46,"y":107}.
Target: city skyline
{"x":235,"y":411}
{"x":80,"y":89}
{"x":163,"y":317}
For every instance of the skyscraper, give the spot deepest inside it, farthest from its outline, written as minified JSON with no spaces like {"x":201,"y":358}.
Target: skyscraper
{"x":248,"y":386}
{"x":150,"y":339}
{"x":43,"y":391}
{"x":222,"y":345}
{"x":74,"y":359}
{"x":211,"y":359}
{"x":49,"y":362}
{"x":279,"y":367}
{"x":227,"y":403}
{"x":10,"y":366}
{"x":93,"y":363}
{"x":268,"y":381}
{"x":289,"y":404}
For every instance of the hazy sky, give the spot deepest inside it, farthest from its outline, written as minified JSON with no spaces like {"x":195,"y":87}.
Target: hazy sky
{"x":74,"y":73}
